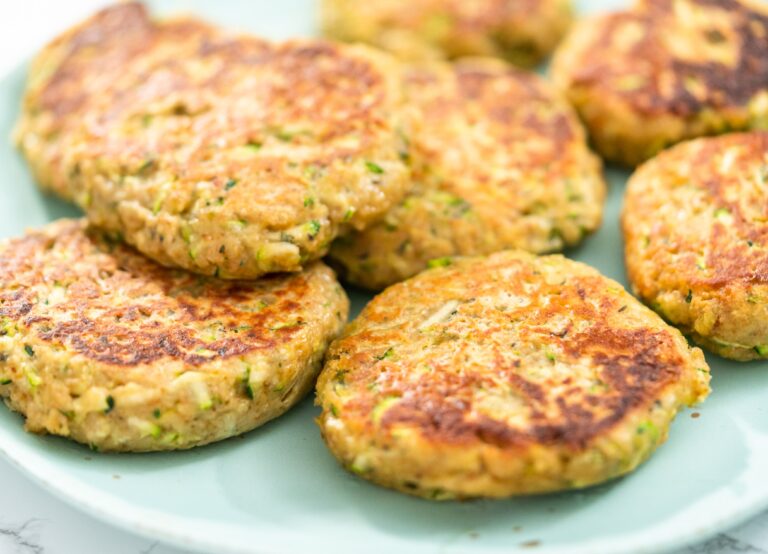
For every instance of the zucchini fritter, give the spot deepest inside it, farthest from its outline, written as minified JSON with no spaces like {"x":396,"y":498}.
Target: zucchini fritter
{"x":663,"y":72}
{"x":501,"y":376}
{"x":101,"y":345}
{"x":222,"y":154}
{"x":520,"y":31}
{"x":695,"y":223}
{"x":499,"y":161}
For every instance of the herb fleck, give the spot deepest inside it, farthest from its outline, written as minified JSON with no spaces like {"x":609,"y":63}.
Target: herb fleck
{"x":148,"y":163}
{"x":313,"y":228}
{"x":439,"y":262}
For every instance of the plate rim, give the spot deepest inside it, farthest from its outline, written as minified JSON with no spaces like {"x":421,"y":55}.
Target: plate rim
{"x":186,"y":533}
{"x":177,"y":531}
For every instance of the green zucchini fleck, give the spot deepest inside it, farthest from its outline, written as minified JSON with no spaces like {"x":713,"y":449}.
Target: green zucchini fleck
{"x":439,"y":262}
{"x":374,"y":168}
{"x":157,"y":205}
{"x":313,"y":228}
{"x":110,"y":404}
{"x":383,"y":405}
{"x":649,"y":428}
{"x":230,"y":184}
{"x":689,"y":296}
{"x":29,"y":350}
{"x":186,"y":233}
{"x":722,"y":212}
{"x":246,"y":384}
{"x":284,"y":136}
{"x":146,"y":166}
{"x":762,"y":349}
{"x":33,"y":378}
{"x":341,"y":376}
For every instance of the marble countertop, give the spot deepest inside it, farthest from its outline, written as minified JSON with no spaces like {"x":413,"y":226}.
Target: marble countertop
{"x":32,"y":521}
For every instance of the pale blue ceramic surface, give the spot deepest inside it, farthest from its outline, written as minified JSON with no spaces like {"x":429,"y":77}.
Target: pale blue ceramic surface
{"x":277,"y":490}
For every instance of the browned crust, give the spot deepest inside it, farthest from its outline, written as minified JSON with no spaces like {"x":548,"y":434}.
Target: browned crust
{"x":115,"y":38}
{"x":522,"y":31}
{"x":499,"y":160}
{"x":636,"y":357}
{"x":731,"y":251}
{"x":121,"y":309}
{"x":636,"y":376}
{"x":512,"y":105}
{"x":173,"y":131}
{"x":663,"y":90}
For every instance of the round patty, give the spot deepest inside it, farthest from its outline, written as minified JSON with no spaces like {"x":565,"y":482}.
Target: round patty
{"x":103,"y":346}
{"x":504,"y":375}
{"x":522,"y":31}
{"x":225,"y":155}
{"x":499,"y":161}
{"x":695,"y":225}
{"x":665,"y":71}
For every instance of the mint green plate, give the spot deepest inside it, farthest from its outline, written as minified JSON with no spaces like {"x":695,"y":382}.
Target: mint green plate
{"x":277,"y":490}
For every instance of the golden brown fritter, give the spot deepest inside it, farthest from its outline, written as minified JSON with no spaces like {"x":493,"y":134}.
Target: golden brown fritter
{"x":521,"y":31}
{"x":663,"y":72}
{"x":695,"y":225}
{"x":101,"y":345}
{"x":222,"y":154}
{"x":499,"y":161}
{"x":505,"y":375}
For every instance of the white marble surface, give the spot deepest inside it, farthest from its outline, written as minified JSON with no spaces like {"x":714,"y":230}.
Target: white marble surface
{"x":34,"y":522}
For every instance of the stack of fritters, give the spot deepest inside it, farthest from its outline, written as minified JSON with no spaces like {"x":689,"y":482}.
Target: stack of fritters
{"x":106,"y":347}
{"x":233,"y":164}
{"x":221,"y":154}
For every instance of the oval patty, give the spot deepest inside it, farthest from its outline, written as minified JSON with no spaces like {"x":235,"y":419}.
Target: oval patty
{"x":663,"y":72}
{"x":499,"y":161}
{"x":103,"y":346}
{"x":521,"y":31}
{"x":695,"y":223}
{"x":223,"y":154}
{"x":504,"y":375}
